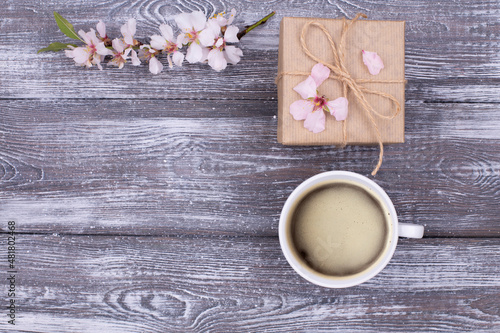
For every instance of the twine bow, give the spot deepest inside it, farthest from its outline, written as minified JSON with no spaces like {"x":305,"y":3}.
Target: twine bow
{"x":339,"y":72}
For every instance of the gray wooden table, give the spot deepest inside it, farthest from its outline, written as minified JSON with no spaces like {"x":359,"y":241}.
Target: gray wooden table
{"x":150,"y":203}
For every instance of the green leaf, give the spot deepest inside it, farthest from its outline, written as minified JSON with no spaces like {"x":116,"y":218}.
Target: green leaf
{"x":66,"y":27}
{"x":56,"y":47}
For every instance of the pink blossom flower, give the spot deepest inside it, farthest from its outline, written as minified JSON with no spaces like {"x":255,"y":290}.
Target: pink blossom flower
{"x":372,"y":61}
{"x":220,"y":53}
{"x":191,"y":25}
{"x":312,"y":107}
{"x":166,"y":43}
{"x":91,"y":54}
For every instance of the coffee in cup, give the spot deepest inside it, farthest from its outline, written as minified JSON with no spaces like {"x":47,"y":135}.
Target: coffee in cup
{"x":339,"y":229}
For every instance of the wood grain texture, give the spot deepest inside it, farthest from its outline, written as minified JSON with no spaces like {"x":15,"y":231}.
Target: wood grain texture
{"x":150,"y":167}
{"x":150,"y":203}
{"x":138,"y":284}
{"x":451,"y":53}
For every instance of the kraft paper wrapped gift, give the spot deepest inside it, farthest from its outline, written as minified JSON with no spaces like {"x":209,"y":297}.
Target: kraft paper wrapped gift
{"x":386,"y":38}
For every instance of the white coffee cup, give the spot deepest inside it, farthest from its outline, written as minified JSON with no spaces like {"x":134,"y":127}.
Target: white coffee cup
{"x":396,"y":230}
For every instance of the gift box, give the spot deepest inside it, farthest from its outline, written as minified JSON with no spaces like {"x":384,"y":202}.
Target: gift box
{"x":375,"y":102}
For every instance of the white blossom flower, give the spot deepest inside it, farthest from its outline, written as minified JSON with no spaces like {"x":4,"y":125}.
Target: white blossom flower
{"x":207,"y":40}
{"x":166,"y":43}
{"x":119,"y":53}
{"x":149,"y":54}
{"x":93,"y":53}
{"x":192,"y":25}
{"x":220,"y":53}
{"x":128,"y":31}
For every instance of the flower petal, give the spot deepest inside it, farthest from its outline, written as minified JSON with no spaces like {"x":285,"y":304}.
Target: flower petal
{"x":124,"y":30}
{"x":178,"y":58}
{"x":204,"y":54}
{"x":118,"y":45}
{"x":181,"y":39}
{"x":216,"y":60}
{"x":320,"y":73}
{"x":198,"y":20}
{"x":373,"y":62}
{"x":315,"y":121}
{"x":101,"y":29}
{"x":194,"y":53}
{"x":129,"y":39}
{"x":69,"y":53}
{"x":183,"y":21}
{"x":230,"y":35}
{"x":128,"y":31}
{"x":306,"y":88}
{"x":102,"y":50}
{"x":97,"y":60}
{"x":207,"y":37}
{"x":233,"y":54}
{"x":81,"y":55}
{"x":231,"y":18}
{"x":158,"y":42}
{"x":85,"y":37}
{"x":301,"y":108}
{"x":221,"y":20}
{"x":131,"y":24}
{"x":155,"y":66}
{"x":338,"y":108}
{"x":135,"y":58}
{"x":219,"y":42}
{"x":167,"y":32}
{"x":213,"y":27}
{"x":93,"y":38}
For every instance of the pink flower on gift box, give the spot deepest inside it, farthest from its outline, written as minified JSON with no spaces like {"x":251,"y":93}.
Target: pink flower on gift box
{"x":311,"y":108}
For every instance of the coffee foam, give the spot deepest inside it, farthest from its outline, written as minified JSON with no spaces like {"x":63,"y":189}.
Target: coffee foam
{"x":339,"y":228}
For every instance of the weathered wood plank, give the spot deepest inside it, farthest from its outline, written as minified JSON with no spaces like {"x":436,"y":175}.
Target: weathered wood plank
{"x":156,"y":167}
{"x":136,"y":180}
{"x":450,"y":45}
{"x":150,"y":284}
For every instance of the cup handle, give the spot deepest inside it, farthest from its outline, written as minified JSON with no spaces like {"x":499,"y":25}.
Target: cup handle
{"x":410,"y":230}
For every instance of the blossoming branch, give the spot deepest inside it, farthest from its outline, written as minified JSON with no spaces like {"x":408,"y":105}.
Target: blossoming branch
{"x":206,"y":41}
